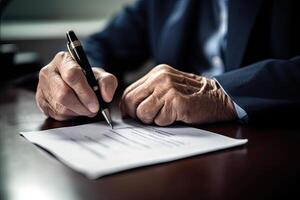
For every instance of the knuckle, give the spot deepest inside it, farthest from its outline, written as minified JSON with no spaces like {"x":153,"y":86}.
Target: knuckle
{"x":62,"y":95}
{"x":67,"y":57}
{"x":43,"y":73}
{"x":60,"y":109}
{"x":193,"y":76}
{"x":168,"y":80}
{"x":182,"y":79}
{"x":127,"y":90}
{"x":163,"y":76}
{"x":163,"y":67}
{"x":173,"y":93}
{"x":64,"y":111}
{"x":127,"y":103}
{"x":143,"y":113}
{"x":60,"y":55}
{"x":72,"y":75}
{"x":61,"y":98}
{"x":128,"y":99}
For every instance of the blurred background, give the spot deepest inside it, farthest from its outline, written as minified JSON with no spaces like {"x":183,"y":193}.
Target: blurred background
{"x":33,"y":31}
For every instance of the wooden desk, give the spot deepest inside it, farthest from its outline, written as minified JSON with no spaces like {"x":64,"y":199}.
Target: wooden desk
{"x":267,"y":167}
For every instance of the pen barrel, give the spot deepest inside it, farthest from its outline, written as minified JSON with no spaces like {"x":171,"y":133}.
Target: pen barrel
{"x":89,"y":74}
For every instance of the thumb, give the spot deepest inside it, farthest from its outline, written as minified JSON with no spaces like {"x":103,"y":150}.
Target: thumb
{"x":107,"y":82}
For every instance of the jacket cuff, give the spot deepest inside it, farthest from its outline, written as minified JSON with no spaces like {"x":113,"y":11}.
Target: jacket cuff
{"x":241,"y":113}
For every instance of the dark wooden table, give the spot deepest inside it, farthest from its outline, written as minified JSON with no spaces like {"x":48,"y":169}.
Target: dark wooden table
{"x":268,"y":167}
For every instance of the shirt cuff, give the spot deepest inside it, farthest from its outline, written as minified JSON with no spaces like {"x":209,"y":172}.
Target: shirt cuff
{"x":241,"y":113}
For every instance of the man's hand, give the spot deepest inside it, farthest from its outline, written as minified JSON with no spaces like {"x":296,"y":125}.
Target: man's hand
{"x":64,"y":93}
{"x":166,"y":95}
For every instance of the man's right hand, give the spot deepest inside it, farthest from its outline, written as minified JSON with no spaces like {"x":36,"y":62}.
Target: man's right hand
{"x":63,"y":92}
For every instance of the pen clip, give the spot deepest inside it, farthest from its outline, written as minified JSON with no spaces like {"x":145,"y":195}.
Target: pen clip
{"x":72,"y":55}
{"x":70,"y":50}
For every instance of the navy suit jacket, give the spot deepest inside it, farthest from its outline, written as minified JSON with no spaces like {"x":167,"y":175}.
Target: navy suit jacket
{"x":262,"y":58}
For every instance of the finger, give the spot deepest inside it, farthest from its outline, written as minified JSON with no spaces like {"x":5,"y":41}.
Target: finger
{"x":72,"y":74}
{"x":162,"y":69}
{"x":124,"y":101}
{"x":130,"y":101}
{"x":177,"y":75}
{"x":157,"y":69}
{"x":50,"y":112}
{"x":148,"y":109}
{"x":108,"y":84}
{"x":181,"y":107}
{"x":39,"y":99}
{"x":62,"y":94}
{"x":67,"y":114}
{"x":43,"y":88}
{"x":166,"y":115}
{"x":136,"y":84}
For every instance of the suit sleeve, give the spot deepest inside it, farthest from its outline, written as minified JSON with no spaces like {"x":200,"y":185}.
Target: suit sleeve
{"x":123,"y":44}
{"x":268,"y":90}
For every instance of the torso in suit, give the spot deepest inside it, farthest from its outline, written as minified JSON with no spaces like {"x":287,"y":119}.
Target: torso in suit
{"x":262,"y":57}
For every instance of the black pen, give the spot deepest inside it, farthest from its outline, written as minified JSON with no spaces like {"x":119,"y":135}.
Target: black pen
{"x":76,"y":51}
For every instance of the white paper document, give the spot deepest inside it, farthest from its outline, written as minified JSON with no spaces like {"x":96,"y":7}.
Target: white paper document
{"x":97,"y":150}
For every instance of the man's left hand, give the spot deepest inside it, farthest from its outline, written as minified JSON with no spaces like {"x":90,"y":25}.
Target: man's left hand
{"x":166,"y":95}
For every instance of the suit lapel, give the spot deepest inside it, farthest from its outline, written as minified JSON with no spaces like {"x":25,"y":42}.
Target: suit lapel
{"x":241,"y":17}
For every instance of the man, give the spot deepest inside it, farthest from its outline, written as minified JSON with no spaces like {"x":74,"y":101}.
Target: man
{"x":248,"y":53}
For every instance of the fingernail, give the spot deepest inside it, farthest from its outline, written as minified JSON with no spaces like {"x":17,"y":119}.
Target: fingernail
{"x":93,"y":107}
